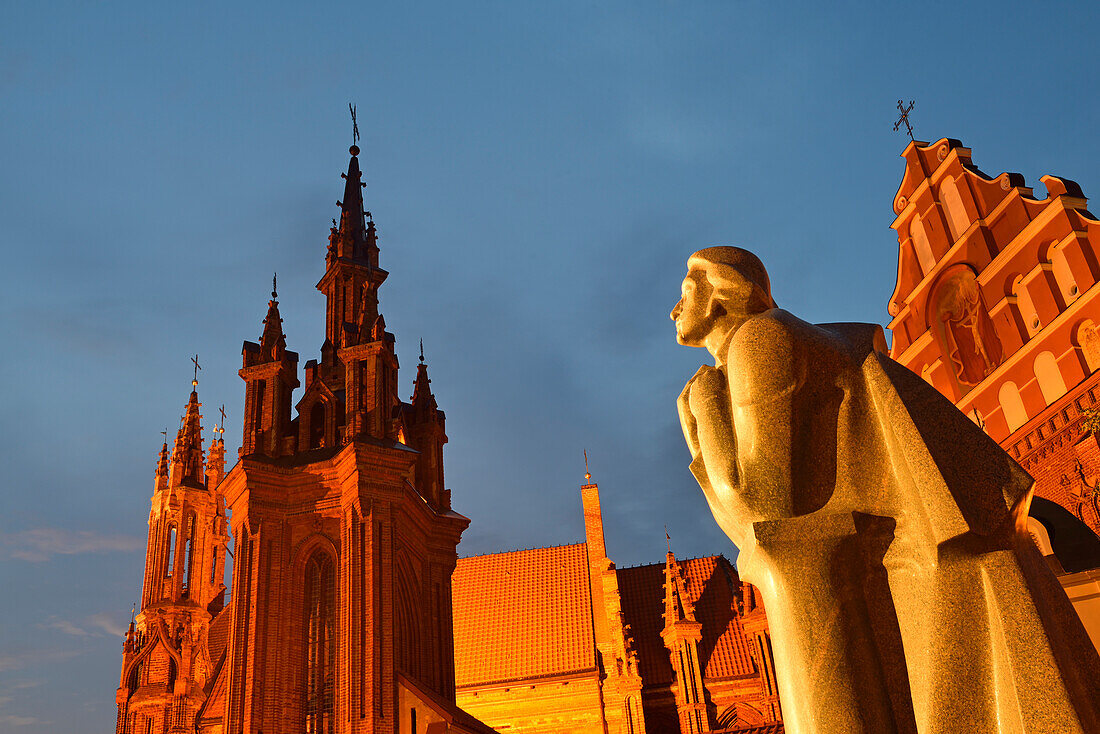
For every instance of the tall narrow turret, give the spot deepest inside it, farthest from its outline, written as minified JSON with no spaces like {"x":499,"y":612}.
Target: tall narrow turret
{"x":163,"y":665}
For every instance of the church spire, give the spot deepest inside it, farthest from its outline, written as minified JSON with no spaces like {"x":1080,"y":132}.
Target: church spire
{"x":422,"y":398}
{"x":350,"y":238}
{"x":187,"y":455}
{"x":273,"y":341}
{"x":352,"y":275}
{"x":161,"y":477}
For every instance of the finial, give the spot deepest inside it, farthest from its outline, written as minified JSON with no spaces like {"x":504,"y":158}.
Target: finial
{"x":165,"y":434}
{"x":133,"y":611}
{"x":195,"y":379}
{"x":354,"y":130}
{"x":587,"y":474}
{"x":274,"y":284}
{"x":904,"y":119}
{"x":421,"y":351}
{"x":668,"y":540}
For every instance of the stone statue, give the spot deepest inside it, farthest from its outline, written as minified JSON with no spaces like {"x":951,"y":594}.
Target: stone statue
{"x":885,"y":531}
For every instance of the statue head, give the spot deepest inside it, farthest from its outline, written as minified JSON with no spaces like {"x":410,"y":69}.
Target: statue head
{"x":723,"y":287}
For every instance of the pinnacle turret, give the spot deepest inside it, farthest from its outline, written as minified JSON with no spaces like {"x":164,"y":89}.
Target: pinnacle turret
{"x":422,"y":398}
{"x":677,"y":605}
{"x":354,"y":237}
{"x":160,"y":481}
{"x":187,"y":455}
{"x":272,"y":341}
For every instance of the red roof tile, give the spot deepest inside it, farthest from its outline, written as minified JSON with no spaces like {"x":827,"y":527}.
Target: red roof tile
{"x":219,"y":634}
{"x":711,"y":583}
{"x":523,"y":614}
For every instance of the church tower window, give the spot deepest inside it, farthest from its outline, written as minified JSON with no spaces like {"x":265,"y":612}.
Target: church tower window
{"x":188,"y":544}
{"x":170,"y":551}
{"x":320,"y":650}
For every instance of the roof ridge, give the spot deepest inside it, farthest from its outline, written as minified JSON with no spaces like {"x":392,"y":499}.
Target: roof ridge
{"x":521,"y":550}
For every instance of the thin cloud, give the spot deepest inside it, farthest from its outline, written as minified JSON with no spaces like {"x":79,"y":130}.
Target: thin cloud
{"x":109,"y":623}
{"x":39,"y":544}
{"x":65,"y":626}
{"x":13,"y":720}
{"x":16,"y":661}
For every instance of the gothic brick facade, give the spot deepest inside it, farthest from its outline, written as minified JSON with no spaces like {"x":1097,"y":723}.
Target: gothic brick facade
{"x":997,"y":305}
{"x":344,"y":538}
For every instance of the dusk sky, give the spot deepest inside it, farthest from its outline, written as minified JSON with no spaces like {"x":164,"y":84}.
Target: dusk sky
{"x":539,"y":173}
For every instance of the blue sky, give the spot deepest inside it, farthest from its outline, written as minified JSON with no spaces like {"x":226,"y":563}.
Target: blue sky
{"x":539,"y":173}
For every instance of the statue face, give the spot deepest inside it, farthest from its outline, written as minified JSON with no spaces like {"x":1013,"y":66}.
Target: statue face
{"x":692,"y":313}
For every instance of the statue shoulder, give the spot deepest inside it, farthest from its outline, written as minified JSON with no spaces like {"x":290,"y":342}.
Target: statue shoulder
{"x":771,"y":333}
{"x":766,"y":355}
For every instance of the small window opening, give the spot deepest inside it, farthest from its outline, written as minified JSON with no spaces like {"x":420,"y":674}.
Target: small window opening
{"x":171,"y":563}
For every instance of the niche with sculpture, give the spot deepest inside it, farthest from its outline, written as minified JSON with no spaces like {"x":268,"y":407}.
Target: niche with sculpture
{"x":962,"y":325}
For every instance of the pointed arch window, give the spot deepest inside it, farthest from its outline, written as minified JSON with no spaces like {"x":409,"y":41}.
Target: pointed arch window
{"x":320,"y":668}
{"x":135,"y":676}
{"x":188,"y":552}
{"x":170,"y":552}
{"x":213,"y":564}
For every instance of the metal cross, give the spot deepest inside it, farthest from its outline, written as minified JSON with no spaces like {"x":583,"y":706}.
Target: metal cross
{"x":354,"y":124}
{"x":195,"y":379}
{"x":165,"y":434}
{"x":422,"y":350}
{"x":274,"y":283}
{"x":221,"y":428}
{"x":904,"y":119}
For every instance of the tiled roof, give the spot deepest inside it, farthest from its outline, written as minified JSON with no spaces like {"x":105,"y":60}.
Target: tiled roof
{"x":219,"y":634}
{"x":711,"y":583}
{"x":523,"y":614}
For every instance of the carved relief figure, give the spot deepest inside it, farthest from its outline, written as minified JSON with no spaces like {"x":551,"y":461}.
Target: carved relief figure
{"x":886,"y":532}
{"x":963,"y":326}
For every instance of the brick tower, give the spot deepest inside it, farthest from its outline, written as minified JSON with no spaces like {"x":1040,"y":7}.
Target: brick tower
{"x":345,"y":538}
{"x":165,"y":662}
{"x":997,"y":305}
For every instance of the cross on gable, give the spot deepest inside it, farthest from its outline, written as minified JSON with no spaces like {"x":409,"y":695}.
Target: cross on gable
{"x":904,"y":119}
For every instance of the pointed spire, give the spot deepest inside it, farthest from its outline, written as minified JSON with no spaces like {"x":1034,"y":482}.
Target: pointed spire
{"x":422,"y":392}
{"x":349,"y":237}
{"x":215,"y":462}
{"x":187,"y":455}
{"x":677,"y":605}
{"x":272,"y":341}
{"x":161,"y":475}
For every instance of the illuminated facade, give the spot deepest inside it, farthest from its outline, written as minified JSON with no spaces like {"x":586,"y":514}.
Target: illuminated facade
{"x":344,"y":540}
{"x":997,"y":305}
{"x":559,"y":640}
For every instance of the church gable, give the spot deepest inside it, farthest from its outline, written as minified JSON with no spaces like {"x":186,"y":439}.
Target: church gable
{"x":710,"y":586}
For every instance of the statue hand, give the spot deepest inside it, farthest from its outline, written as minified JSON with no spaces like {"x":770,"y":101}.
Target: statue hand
{"x":706,"y":383}
{"x":687,"y":420}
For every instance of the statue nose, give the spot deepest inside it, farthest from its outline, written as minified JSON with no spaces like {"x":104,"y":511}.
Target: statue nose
{"x":676,"y":310}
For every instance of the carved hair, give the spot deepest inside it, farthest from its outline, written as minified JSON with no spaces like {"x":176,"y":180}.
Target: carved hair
{"x":728,"y":270}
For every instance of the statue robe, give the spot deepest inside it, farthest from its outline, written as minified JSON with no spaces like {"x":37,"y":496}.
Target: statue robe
{"x":886,"y":533}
